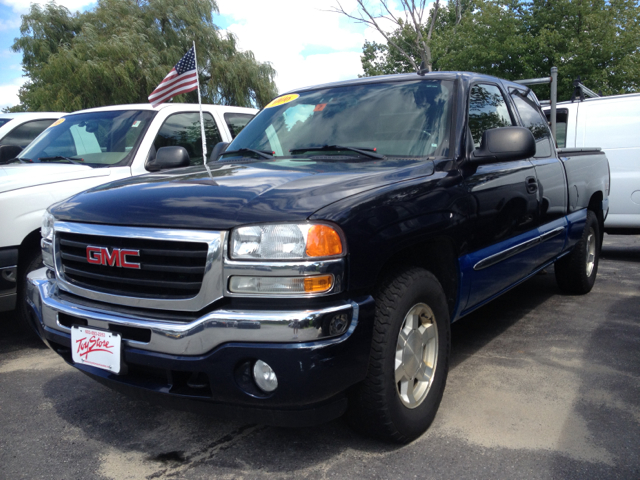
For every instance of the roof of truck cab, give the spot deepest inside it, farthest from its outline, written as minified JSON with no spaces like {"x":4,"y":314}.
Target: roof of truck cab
{"x":30,"y":115}
{"x":403,"y":77}
{"x":178,"y":107}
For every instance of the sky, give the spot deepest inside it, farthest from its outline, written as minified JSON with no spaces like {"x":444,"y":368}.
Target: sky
{"x":305,"y":43}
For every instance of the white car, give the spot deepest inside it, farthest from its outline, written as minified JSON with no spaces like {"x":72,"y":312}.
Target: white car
{"x":17,"y":130}
{"x":613,"y":124}
{"x":88,"y":148}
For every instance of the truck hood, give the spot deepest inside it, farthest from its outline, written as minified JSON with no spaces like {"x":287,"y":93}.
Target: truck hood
{"x":233,"y":193}
{"x":13,"y":177}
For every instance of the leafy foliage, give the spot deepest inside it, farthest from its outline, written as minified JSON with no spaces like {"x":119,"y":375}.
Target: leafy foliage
{"x":598,"y":40}
{"x":120,"y":51}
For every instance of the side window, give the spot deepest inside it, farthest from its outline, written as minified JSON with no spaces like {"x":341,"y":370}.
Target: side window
{"x":487,"y":109}
{"x":534,"y":121}
{"x":236,"y":122}
{"x":183,"y":130}
{"x":561,"y":126}
{"x":24,"y":134}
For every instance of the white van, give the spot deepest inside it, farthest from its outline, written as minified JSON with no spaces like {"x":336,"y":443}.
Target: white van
{"x":613,"y":124}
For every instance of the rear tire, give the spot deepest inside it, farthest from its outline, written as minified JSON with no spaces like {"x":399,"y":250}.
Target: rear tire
{"x":576,"y":272}
{"x":33,"y":261}
{"x":409,"y":359}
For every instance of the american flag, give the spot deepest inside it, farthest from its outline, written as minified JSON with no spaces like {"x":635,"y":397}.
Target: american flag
{"x":182,"y":78}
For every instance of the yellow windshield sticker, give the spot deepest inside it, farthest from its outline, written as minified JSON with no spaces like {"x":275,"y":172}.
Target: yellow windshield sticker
{"x":57,"y":122}
{"x":282,"y":100}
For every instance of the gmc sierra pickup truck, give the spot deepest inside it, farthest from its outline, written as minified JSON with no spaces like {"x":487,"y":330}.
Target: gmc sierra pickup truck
{"x":315,"y":266}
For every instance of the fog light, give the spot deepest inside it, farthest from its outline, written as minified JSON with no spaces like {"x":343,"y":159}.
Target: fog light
{"x":264,"y":376}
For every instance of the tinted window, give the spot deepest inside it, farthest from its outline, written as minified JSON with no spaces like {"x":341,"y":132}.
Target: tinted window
{"x":23,"y":135}
{"x":487,"y":109}
{"x":183,"y":130}
{"x":4,"y":120}
{"x":236,"y":122}
{"x":96,"y":139}
{"x":534,"y":121}
{"x":398,"y":119}
{"x":561,"y":126}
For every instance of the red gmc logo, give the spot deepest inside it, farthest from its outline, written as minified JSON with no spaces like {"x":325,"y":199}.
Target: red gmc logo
{"x":117,"y":257}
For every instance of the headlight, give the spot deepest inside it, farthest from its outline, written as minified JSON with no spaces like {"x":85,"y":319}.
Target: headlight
{"x":285,"y":241}
{"x":46,"y":230}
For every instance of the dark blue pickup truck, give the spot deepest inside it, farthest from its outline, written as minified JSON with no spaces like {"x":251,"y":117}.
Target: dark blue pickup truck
{"x":314,"y":267}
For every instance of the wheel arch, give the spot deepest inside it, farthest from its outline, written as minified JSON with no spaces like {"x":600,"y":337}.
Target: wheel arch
{"x":595,"y":205}
{"x":438,"y":256}
{"x":29,"y":243}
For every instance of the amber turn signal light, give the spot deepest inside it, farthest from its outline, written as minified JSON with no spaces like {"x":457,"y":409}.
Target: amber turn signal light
{"x":321,"y":283}
{"x":323,"y":241}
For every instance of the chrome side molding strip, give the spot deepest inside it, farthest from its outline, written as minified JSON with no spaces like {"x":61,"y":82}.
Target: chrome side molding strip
{"x":515,"y":250}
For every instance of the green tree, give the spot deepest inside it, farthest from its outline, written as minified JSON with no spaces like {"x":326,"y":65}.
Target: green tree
{"x":121,"y":50}
{"x":596,"y":39}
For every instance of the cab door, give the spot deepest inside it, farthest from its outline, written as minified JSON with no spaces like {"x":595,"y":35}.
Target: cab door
{"x":503,"y":235}
{"x":552,"y":181}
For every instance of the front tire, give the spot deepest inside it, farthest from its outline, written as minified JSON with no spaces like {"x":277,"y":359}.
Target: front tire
{"x":576,"y":272}
{"x":408,"y":366}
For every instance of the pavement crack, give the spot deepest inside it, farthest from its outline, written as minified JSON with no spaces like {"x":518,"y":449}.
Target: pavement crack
{"x":182,"y":462}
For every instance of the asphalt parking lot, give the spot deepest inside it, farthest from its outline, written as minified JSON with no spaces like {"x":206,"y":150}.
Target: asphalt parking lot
{"x":542,"y":385}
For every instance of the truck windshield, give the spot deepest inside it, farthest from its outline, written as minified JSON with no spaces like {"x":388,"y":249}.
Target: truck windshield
{"x":95,"y":139}
{"x":409,"y":118}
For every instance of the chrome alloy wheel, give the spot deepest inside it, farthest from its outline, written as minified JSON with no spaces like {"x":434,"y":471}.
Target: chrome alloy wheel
{"x":416,"y":355}
{"x":591,"y":252}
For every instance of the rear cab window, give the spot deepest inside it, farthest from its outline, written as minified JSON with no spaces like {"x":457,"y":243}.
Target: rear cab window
{"x":533,"y":119}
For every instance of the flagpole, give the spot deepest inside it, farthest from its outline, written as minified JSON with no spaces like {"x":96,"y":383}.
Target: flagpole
{"x":204,"y":140}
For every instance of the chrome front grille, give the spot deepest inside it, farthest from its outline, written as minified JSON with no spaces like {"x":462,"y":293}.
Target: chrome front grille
{"x":178,"y":269}
{"x":167,"y":269}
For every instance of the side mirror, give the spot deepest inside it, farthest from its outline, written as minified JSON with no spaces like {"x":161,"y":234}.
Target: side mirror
{"x":8,"y":152}
{"x":169,"y":157}
{"x":504,"y":144}
{"x":217,"y":151}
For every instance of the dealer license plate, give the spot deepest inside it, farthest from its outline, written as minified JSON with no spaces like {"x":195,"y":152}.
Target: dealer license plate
{"x":98,"y":348}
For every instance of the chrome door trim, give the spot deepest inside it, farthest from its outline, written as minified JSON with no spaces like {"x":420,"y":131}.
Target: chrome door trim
{"x":515,"y":250}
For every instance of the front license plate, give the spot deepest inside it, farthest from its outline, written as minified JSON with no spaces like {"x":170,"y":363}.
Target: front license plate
{"x":98,"y":348}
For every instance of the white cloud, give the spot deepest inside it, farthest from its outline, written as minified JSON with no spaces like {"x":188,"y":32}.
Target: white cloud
{"x":279,"y":31}
{"x":22,"y":6}
{"x":9,"y":92}
{"x":9,"y":24}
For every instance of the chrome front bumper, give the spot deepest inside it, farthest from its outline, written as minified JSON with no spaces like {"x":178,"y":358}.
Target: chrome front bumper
{"x":196,"y":337}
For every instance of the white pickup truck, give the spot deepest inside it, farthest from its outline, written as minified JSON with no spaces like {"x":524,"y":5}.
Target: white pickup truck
{"x":89,"y":148}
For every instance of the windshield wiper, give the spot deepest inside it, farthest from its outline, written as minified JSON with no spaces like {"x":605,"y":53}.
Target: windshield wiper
{"x":367,"y":152}
{"x":59,"y":157}
{"x":260,"y":153}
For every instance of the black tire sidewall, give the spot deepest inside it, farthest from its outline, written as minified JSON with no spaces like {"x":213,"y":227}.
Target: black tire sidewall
{"x":33,"y":261}
{"x":592,"y":222}
{"x":412,"y":422}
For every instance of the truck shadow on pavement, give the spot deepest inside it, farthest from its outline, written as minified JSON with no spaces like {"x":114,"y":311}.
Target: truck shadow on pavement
{"x":169,"y":442}
{"x":473,"y":332}
{"x":14,"y":338}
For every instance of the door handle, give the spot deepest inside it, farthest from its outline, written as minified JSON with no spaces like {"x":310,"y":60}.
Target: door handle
{"x":532,"y":185}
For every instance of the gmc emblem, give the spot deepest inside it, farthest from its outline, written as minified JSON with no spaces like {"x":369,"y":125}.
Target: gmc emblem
{"x":117,"y":257}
